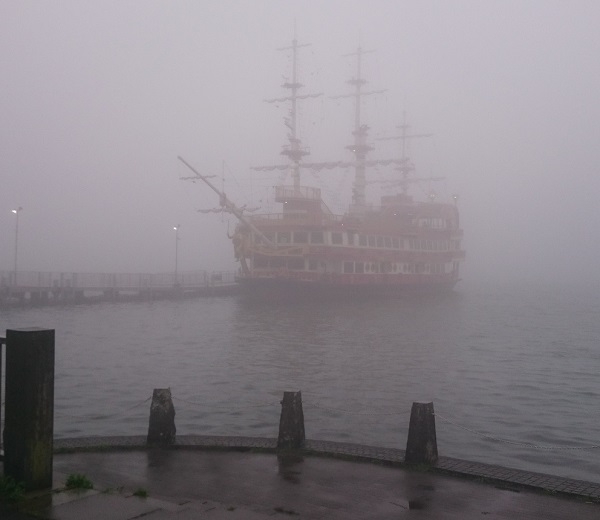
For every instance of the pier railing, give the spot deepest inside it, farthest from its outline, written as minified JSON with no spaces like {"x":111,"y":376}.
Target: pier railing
{"x":47,"y":287}
{"x":89,"y":281}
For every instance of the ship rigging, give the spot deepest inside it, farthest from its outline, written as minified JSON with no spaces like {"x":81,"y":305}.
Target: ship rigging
{"x":306,"y":249}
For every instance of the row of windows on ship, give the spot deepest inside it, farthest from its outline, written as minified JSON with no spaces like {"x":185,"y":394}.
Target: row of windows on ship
{"x":351,"y":239}
{"x":386,"y":267}
{"x":298,"y":264}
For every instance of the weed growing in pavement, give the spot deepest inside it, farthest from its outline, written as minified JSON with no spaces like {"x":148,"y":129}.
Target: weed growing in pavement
{"x":78,"y":481}
{"x":10,"y":490}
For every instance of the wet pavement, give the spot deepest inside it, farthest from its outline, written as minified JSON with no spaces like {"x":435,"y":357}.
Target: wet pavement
{"x":230,"y":484}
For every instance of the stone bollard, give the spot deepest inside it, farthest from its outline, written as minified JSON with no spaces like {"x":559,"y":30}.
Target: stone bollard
{"x":421,"y":446}
{"x":161,"y":427}
{"x":291,"y":422}
{"x":29,"y":408}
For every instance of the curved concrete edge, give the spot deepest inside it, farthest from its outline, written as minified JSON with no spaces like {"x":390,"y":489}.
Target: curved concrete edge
{"x":487,"y":473}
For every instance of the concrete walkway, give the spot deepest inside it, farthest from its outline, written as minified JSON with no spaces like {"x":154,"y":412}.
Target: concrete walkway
{"x":241,"y":478}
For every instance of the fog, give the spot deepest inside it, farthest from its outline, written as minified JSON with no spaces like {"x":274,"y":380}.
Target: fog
{"x":99,"y":98}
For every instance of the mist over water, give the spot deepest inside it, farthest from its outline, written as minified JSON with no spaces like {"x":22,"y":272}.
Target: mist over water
{"x":518,"y":363}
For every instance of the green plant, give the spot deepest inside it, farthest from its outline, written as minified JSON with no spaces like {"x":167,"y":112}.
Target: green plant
{"x":140,"y":492}
{"x":10,"y":490}
{"x":78,"y":481}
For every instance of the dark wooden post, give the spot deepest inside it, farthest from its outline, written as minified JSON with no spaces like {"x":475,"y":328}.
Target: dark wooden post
{"x":2,"y":342}
{"x":291,"y":422}
{"x":161,"y":427}
{"x":421,"y":446}
{"x":29,"y":409}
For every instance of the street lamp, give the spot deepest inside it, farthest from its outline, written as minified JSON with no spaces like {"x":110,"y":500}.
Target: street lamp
{"x":176,"y":228}
{"x":16,"y":212}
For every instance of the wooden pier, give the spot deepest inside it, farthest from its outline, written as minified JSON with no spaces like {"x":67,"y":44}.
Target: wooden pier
{"x":47,"y":288}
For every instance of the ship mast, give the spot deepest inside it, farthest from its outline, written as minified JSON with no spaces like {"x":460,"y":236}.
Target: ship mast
{"x":406,"y":165}
{"x":359,"y":148}
{"x":294,"y":150}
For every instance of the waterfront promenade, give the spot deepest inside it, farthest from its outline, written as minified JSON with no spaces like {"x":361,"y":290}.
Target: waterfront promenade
{"x":244,"y":478}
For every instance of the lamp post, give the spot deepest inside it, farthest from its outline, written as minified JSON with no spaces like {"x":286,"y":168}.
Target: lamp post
{"x":176,"y":228}
{"x":16,"y":212}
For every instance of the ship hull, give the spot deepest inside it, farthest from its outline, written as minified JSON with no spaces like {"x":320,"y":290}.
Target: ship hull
{"x":293,"y":289}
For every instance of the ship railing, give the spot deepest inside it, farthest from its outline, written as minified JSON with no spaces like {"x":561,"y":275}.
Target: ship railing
{"x":300,"y":192}
{"x":299,"y":218}
{"x":287,"y":149}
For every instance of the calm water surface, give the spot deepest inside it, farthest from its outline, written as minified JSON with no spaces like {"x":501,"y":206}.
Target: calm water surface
{"x":516,"y":363}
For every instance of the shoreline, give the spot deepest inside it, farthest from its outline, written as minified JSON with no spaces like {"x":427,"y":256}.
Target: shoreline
{"x":488,"y":473}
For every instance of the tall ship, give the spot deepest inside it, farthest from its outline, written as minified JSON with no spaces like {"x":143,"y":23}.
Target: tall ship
{"x":388,"y":248}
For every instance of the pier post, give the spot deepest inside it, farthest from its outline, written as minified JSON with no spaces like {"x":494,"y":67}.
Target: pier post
{"x":291,"y":422}
{"x":29,"y":408}
{"x":421,"y":446}
{"x":161,"y":427}
{"x":2,"y":343}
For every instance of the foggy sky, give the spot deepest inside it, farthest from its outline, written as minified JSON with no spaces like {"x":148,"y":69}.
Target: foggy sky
{"x":99,"y":98}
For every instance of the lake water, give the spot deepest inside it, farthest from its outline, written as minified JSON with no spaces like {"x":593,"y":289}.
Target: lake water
{"x":518,"y":363}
